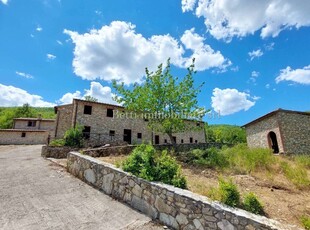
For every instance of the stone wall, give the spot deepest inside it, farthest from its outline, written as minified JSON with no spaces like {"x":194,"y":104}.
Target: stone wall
{"x":257,"y":133}
{"x":22,"y":137}
{"x":56,"y":152}
{"x":176,"y":208}
{"x":109,"y":151}
{"x":63,"y":120}
{"x":295,"y":130}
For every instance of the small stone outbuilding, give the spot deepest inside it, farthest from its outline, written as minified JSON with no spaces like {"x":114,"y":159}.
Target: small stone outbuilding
{"x":28,"y":131}
{"x":283,"y":131}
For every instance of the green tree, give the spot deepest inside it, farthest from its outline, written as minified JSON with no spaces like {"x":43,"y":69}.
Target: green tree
{"x":164,"y":98}
{"x":90,"y":98}
{"x":25,"y":111}
{"x":225,"y":134}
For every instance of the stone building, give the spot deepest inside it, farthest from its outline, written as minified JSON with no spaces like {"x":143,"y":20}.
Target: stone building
{"x":106,"y":123}
{"x":283,"y":131}
{"x":28,"y":131}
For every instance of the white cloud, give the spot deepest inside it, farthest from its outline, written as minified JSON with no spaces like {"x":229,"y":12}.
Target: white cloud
{"x":59,"y":42}
{"x":117,"y":52}
{"x":68,"y":97}
{"x":269,"y":46}
{"x":102,"y":93}
{"x":204,"y":55}
{"x":226,"y":19}
{"x":188,"y":5}
{"x":5,"y":1}
{"x":255,"y":54}
{"x":301,"y":76}
{"x":39,"y":28}
{"x":50,"y":56}
{"x":267,"y":86}
{"x":13,"y":96}
{"x":229,"y":101}
{"x":254,"y":74}
{"x":25,"y":75}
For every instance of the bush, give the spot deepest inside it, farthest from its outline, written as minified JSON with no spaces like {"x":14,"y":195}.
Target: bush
{"x":252,"y":204}
{"x":305,"y":220}
{"x":211,"y":158}
{"x":57,"y":142}
{"x":244,"y":160}
{"x":228,"y":193}
{"x":146,"y":163}
{"x":74,"y":137}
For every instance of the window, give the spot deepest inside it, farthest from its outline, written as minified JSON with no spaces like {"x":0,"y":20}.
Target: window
{"x":198,"y":124}
{"x":196,"y":141}
{"x":31,"y":123}
{"x":174,"y":139}
{"x":146,"y":120}
{"x":86,"y":132}
{"x":139,"y":135}
{"x":165,"y":141}
{"x":112,"y":133}
{"x":190,"y":140}
{"x":23,"y":135}
{"x":182,"y":141}
{"x":87,"y":109}
{"x":109,"y":112}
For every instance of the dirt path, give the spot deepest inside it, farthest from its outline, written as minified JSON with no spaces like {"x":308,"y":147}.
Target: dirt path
{"x":37,"y":194}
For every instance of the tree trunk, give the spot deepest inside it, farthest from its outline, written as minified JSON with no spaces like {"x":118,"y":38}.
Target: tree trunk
{"x":171,"y":138}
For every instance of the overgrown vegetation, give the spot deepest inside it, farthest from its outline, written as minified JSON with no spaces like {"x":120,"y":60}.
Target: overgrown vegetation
{"x":228,"y":193}
{"x":302,"y":160}
{"x":7,"y":114}
{"x":57,"y":142}
{"x":305,"y":220}
{"x":148,"y":164}
{"x":225,"y":134}
{"x":296,"y":174}
{"x":252,"y":204}
{"x":74,"y":137}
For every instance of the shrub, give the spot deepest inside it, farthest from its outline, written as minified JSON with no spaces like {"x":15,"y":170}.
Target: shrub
{"x":211,"y":158}
{"x":146,"y":163}
{"x":305,"y":220}
{"x":252,"y":204}
{"x":74,"y":137}
{"x":228,"y":193}
{"x":244,"y":160}
{"x":57,"y":142}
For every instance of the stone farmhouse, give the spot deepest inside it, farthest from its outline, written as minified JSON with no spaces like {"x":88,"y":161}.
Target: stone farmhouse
{"x":106,"y":123}
{"x":283,"y":131}
{"x":28,"y":131}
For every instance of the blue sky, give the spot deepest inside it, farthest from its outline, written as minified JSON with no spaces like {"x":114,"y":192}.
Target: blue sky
{"x":254,"y":56}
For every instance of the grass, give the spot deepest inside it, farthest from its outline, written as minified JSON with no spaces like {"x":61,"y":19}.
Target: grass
{"x":302,"y":160}
{"x":296,"y":174}
{"x":305,"y":220}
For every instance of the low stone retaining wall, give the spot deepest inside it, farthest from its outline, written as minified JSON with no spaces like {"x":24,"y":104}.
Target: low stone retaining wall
{"x":174,"y":207}
{"x":109,"y":151}
{"x":187,"y":147}
{"x":56,"y":152}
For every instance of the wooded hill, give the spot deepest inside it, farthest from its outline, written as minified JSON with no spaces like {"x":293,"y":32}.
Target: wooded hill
{"x":8,"y":113}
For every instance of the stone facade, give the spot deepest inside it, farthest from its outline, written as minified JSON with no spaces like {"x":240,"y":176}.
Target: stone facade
{"x":106,"y":123}
{"x":174,"y":207}
{"x":22,"y":137}
{"x":56,"y":152}
{"x":290,"y":130}
{"x":28,"y":131}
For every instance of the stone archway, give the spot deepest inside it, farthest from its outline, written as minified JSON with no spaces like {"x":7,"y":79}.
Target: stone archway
{"x":273,"y":142}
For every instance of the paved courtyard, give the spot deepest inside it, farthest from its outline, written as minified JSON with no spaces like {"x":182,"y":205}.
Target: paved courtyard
{"x":37,"y":194}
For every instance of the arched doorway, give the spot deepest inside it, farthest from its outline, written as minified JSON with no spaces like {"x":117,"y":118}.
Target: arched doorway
{"x":273,"y":143}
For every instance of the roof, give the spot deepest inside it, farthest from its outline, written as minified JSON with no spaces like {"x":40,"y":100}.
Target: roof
{"x":33,"y":119}
{"x":274,"y":113}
